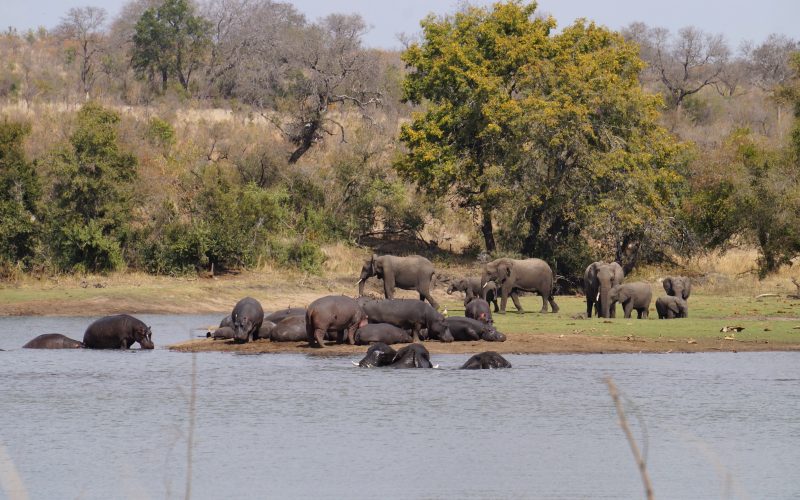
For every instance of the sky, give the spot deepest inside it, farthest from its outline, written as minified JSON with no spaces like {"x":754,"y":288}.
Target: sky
{"x":737,"y":20}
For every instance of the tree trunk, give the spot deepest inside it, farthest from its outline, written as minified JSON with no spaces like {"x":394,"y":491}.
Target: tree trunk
{"x":530,"y":245}
{"x":163,"y":79}
{"x":488,"y":230}
{"x":306,"y":140}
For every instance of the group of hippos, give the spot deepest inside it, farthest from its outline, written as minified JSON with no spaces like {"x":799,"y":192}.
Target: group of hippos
{"x":380,"y":323}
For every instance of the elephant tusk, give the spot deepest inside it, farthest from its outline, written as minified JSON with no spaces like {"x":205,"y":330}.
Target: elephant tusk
{"x":354,"y":363}
{"x":484,"y":285}
{"x":359,"y":281}
{"x":435,"y":367}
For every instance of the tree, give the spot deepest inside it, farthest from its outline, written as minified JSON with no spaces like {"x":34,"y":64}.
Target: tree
{"x":685,"y":63}
{"x":170,"y":41}
{"x":92,"y":193}
{"x":84,"y":25}
{"x":468,"y":69}
{"x":19,"y":196}
{"x":546,"y":130}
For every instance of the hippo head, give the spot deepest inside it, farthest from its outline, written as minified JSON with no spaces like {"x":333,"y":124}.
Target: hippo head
{"x":490,"y":334}
{"x":242,"y":326}
{"x":379,"y":354}
{"x":144,"y":336}
{"x":439,"y":330}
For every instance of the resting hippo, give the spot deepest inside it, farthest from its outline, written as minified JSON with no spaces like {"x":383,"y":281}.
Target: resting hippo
{"x":408,"y":314}
{"x":265,"y":332}
{"x":279,"y":316}
{"x":336,"y":314}
{"x":410,"y":356}
{"x":247,"y":317}
{"x":484,"y":360}
{"x":465,"y":329}
{"x":479,"y":309}
{"x":226,"y":321}
{"x":290,"y":329}
{"x":221,"y":333}
{"x":53,"y":341}
{"x":117,"y":332}
{"x":382,"y":332}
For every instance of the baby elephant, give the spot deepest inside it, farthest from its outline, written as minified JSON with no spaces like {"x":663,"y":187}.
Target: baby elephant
{"x":486,"y":360}
{"x":670,"y":307}
{"x":633,"y":296}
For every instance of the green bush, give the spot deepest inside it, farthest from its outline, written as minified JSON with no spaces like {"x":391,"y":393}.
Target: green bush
{"x":160,"y":133}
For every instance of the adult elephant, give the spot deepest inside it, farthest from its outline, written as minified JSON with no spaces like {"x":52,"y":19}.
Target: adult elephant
{"x":53,"y":341}
{"x":679,"y":286}
{"x":409,"y":273}
{"x":512,"y":275}
{"x":118,"y":332}
{"x":598,"y":280}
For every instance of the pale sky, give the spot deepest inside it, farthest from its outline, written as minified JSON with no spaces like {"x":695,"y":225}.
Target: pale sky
{"x":738,"y":20}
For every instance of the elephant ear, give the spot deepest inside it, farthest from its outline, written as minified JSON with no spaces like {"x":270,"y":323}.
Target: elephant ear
{"x":667,"y":285}
{"x":505,"y":268}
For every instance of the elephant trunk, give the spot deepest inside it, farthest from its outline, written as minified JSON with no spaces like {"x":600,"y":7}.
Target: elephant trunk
{"x":605,"y":301}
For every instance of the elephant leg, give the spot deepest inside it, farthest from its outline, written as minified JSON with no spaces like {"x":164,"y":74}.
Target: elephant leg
{"x":426,"y":295}
{"x":351,"y":334}
{"x":503,"y":301}
{"x":494,"y":301}
{"x":388,"y":287}
{"x":645,"y":313}
{"x":670,"y":314}
{"x":553,"y":306}
{"x":627,"y":307}
{"x":515,"y":298}
{"x":639,"y":313}
{"x":589,"y":306}
{"x":612,"y":311}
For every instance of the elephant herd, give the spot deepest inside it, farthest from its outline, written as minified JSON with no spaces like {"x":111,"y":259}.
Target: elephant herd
{"x":604,"y":288}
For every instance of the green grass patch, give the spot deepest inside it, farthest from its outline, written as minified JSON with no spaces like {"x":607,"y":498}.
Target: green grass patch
{"x":771,"y":319}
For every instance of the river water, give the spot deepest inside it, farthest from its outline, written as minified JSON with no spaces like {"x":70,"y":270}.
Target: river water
{"x":102,"y":424}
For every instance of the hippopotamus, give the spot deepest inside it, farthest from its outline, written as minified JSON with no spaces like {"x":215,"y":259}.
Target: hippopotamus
{"x":278,"y":316}
{"x":479,"y":309}
{"x":221,"y":333}
{"x":118,"y":332}
{"x":265,"y":332}
{"x":333,"y":313}
{"x":465,"y":329}
{"x":290,"y":329}
{"x":247,"y":317}
{"x":408,"y":314}
{"x":486,"y":360}
{"x":226,"y":321}
{"x":382,"y":332}
{"x":410,"y":356}
{"x":53,"y":341}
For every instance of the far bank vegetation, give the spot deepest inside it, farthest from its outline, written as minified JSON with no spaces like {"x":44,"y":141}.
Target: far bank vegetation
{"x":184,"y":137}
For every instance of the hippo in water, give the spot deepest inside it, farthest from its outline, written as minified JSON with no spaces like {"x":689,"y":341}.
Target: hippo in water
{"x":118,"y":332}
{"x":53,"y":341}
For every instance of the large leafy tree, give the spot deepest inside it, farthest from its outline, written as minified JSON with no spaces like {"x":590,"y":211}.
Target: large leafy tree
{"x":552,"y":133}
{"x":170,"y":41}
{"x":19,"y":196}
{"x":92,"y":193}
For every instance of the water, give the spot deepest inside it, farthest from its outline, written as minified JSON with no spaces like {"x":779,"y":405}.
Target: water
{"x":102,"y":424}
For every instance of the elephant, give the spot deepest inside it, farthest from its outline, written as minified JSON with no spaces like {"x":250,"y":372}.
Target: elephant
{"x":221,"y":333}
{"x":670,"y":307}
{"x":679,"y":286}
{"x":598,"y":280}
{"x":289,"y":329}
{"x":410,"y":356}
{"x":472,"y":290}
{"x":408,"y":314}
{"x":118,"y":332}
{"x":336,"y":314}
{"x":279,"y":316}
{"x":409,"y":273}
{"x":53,"y":341}
{"x":512,"y":275}
{"x":479,"y":309}
{"x":486,"y":360}
{"x":466,"y":329}
{"x":633,"y":296}
{"x":382,"y":332}
{"x":247,"y":317}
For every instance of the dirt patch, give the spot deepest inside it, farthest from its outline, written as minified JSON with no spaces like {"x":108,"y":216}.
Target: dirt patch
{"x":516,"y":344}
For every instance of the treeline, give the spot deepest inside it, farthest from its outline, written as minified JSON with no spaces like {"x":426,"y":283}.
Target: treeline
{"x":230,"y":132}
